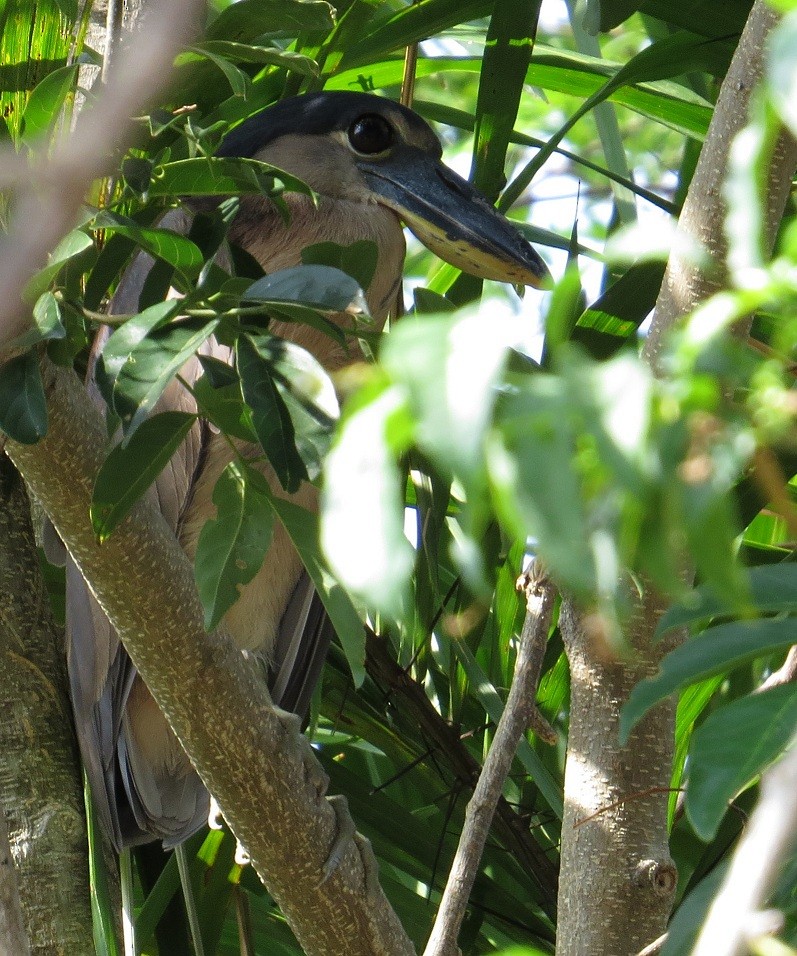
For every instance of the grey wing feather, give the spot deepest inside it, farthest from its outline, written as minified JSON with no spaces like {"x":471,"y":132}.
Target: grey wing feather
{"x":301,"y":649}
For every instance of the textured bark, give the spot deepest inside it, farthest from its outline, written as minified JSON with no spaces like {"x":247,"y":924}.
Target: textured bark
{"x":250,"y":755}
{"x":703,"y":215}
{"x":41,"y":789}
{"x":13,"y":938}
{"x":616,"y":878}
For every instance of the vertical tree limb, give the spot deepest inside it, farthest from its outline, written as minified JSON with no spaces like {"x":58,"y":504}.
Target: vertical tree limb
{"x":616,"y":879}
{"x":514,"y":722}
{"x":41,"y":788}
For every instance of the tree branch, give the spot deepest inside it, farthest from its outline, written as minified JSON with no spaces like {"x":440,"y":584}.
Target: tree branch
{"x":514,"y":722}
{"x":250,"y":755}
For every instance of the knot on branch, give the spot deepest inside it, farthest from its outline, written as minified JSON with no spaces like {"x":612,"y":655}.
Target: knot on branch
{"x":659,"y":875}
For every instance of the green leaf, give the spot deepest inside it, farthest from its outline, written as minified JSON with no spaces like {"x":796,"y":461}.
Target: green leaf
{"x":149,"y":368}
{"x":165,"y":244}
{"x":72,"y":245}
{"x":232,"y":545}
{"x":252,"y":18}
{"x":302,"y":528}
{"x":213,"y":175}
{"x":309,"y":397}
{"x":613,"y":318}
{"x":357,"y":260}
{"x":320,"y":287}
{"x":238,"y":80}
{"x":45,"y":102}
{"x":126,"y":339}
{"x":362,"y":524}
{"x":47,"y":323}
{"x":250,"y":53}
{"x":270,"y":417}
{"x":224,"y":406}
{"x":130,"y":469}
{"x":734,"y":745}
{"x":23,"y":411}
{"x":716,"y":650}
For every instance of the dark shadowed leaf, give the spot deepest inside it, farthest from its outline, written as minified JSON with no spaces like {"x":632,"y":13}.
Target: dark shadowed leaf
{"x":270,"y":417}
{"x":130,"y":469}
{"x":23,"y":413}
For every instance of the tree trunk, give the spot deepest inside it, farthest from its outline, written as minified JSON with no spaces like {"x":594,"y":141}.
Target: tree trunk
{"x":41,"y":789}
{"x":617,"y":880}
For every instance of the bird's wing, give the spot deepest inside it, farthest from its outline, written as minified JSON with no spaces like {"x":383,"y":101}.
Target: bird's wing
{"x":300,"y":650}
{"x":143,"y":784}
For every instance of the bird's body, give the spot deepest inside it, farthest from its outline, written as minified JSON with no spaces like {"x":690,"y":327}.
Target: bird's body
{"x":357,"y":152}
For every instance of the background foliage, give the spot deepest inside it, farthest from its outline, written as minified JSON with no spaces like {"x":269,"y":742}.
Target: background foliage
{"x":559,"y":434}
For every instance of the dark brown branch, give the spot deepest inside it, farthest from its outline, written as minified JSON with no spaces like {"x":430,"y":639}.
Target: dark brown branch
{"x":512,"y":830}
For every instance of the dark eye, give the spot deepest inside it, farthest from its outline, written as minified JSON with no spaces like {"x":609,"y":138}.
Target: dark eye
{"x":371,"y":134}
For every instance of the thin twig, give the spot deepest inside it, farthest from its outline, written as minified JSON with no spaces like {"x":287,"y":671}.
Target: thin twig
{"x":772,"y":832}
{"x":514,"y":721}
{"x":654,"y":948}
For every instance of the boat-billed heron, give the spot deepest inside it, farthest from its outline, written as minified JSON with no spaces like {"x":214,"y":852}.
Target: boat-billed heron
{"x":373,"y":165}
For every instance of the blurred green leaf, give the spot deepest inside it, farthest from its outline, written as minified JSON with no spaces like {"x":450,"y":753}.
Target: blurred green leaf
{"x":362,"y":524}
